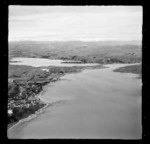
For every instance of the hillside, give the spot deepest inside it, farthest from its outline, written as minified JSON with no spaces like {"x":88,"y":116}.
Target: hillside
{"x":101,"y":52}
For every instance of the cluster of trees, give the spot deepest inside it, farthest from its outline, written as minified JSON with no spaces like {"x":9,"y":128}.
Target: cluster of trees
{"x":13,"y":90}
{"x":106,"y":59}
{"x":56,"y":70}
{"x":118,"y":59}
{"x":20,"y":113}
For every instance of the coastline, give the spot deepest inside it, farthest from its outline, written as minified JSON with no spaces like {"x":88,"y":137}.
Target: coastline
{"x":32,"y":116}
{"x":46,"y":104}
{"x":25,"y":130}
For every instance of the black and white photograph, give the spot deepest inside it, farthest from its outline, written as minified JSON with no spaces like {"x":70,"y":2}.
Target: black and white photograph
{"x":74,"y":72}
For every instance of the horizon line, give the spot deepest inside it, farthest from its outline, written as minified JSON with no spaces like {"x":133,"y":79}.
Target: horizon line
{"x":76,"y":40}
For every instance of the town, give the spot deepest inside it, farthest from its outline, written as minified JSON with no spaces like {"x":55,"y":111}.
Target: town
{"x":22,"y":95}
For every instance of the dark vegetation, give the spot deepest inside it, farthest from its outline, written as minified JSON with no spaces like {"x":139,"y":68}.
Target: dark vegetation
{"x":22,"y":99}
{"x":136,"y":69}
{"x":23,"y":112}
{"x":63,"y":70}
{"x":26,"y":72}
{"x":27,"y":83}
{"x":13,"y":90}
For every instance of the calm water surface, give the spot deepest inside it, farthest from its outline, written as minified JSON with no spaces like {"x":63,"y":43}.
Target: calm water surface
{"x":96,"y":103}
{"x":38,"y":62}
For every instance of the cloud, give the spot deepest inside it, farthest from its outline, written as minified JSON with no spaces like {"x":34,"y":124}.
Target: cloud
{"x":107,"y":23}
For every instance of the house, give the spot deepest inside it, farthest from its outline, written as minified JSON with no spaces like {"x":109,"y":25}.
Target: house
{"x":10,"y":112}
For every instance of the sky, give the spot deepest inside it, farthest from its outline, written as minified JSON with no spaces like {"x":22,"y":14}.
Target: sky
{"x":85,"y":23}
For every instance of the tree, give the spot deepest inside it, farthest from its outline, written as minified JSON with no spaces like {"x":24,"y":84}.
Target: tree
{"x":13,"y":90}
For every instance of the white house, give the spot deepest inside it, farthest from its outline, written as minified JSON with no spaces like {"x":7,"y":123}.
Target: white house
{"x":10,"y":112}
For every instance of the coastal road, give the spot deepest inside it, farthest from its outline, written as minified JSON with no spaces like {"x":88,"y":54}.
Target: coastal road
{"x":96,"y":103}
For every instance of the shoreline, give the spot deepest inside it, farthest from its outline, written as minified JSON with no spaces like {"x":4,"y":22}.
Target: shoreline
{"x":68,"y":112}
{"x":46,"y":104}
{"x":37,"y":112}
{"x":30,"y":117}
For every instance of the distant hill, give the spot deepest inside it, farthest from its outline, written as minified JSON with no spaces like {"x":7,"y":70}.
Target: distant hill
{"x":125,"y":51}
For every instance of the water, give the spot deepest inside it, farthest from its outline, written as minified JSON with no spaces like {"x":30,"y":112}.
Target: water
{"x":38,"y":62}
{"x":96,"y":103}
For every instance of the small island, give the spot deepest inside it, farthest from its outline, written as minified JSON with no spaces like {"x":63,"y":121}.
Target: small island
{"x":72,"y":62}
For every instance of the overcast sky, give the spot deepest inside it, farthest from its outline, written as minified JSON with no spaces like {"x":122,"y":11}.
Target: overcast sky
{"x":75,"y":23}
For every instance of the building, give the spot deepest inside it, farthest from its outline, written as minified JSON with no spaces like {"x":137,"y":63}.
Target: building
{"x":10,"y":112}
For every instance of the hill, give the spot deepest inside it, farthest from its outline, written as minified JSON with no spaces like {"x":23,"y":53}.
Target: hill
{"x":101,"y":52}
